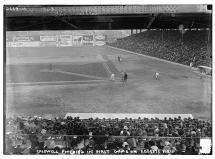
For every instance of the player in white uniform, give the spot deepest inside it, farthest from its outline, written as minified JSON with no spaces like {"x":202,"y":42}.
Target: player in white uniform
{"x":156,"y":75}
{"x":112,"y":77}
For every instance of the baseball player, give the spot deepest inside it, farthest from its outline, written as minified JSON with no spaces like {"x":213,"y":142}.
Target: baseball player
{"x":156,"y":75}
{"x":112,"y":77}
{"x":125,"y":77}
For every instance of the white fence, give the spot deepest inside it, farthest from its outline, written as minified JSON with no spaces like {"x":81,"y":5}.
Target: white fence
{"x":124,"y":115}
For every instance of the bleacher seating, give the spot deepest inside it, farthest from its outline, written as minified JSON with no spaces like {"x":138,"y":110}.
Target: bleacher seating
{"x":34,"y":134}
{"x":194,"y":46}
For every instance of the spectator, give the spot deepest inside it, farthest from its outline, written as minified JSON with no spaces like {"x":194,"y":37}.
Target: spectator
{"x":167,"y":44}
{"x":26,"y":136}
{"x":125,"y":131}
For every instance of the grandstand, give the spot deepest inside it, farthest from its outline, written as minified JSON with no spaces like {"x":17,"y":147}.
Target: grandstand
{"x":59,"y":96}
{"x":167,"y":44}
{"x":70,"y":135}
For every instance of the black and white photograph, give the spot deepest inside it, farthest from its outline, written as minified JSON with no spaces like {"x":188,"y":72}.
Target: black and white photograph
{"x":107,"y":79}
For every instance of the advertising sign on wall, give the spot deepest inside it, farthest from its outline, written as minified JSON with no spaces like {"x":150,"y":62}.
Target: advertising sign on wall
{"x":23,"y":38}
{"x":77,"y":40}
{"x":16,"y":44}
{"x":23,"y":44}
{"x":88,"y":40}
{"x":65,"y":40}
{"x":100,"y":40}
{"x":49,"y":38}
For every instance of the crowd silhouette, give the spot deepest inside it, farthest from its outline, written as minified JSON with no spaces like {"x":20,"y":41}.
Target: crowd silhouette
{"x":177,"y":135}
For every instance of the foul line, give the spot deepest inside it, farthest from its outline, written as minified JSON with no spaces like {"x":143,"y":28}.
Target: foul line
{"x":78,"y":74}
{"x":155,"y":58}
{"x":151,"y":57}
{"x":52,"y":82}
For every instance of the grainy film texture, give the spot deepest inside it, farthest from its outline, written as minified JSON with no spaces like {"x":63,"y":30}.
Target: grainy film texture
{"x":111,"y":79}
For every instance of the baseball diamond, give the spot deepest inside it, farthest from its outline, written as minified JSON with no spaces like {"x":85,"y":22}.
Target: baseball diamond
{"x":40,"y":81}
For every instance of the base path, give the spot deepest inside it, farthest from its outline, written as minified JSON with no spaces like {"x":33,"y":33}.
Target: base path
{"x":179,"y":90}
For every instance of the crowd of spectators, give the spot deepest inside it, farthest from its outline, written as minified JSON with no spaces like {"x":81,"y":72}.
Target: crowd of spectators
{"x":193,"y":46}
{"x":37,"y":135}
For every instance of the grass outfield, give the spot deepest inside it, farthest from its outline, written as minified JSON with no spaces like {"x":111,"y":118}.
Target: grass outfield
{"x":54,"y":72}
{"x":179,"y":89}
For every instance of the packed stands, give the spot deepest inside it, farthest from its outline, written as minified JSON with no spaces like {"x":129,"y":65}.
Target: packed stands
{"x":194,"y":46}
{"x":72,"y":135}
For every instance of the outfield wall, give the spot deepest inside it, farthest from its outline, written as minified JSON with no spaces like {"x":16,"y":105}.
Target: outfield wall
{"x":60,"y":40}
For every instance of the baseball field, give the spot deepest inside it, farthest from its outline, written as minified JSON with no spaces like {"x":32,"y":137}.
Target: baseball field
{"x":60,"y":80}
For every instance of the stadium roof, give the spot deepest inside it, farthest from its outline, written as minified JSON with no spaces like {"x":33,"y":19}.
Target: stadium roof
{"x":106,"y":17}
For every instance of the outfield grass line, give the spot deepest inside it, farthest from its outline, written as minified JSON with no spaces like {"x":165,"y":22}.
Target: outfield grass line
{"x":117,"y":80}
{"x":147,"y":56}
{"x":59,"y":63}
{"x":52,"y":82}
{"x":78,"y":74}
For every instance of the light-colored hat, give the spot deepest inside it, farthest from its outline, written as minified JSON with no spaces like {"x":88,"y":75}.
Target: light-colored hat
{"x":193,"y":133}
{"x":155,"y":148}
{"x":166,"y":143}
{"x":124,"y":144}
{"x":125,"y":127}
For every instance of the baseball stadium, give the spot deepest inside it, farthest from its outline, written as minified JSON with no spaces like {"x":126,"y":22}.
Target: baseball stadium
{"x":65,"y":85}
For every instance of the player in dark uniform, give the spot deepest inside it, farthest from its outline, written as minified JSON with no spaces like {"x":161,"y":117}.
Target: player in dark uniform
{"x":119,"y":58}
{"x":125,"y":77}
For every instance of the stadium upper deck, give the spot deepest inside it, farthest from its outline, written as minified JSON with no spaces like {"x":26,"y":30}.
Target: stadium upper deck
{"x":103,"y":10}
{"x":107,"y":17}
